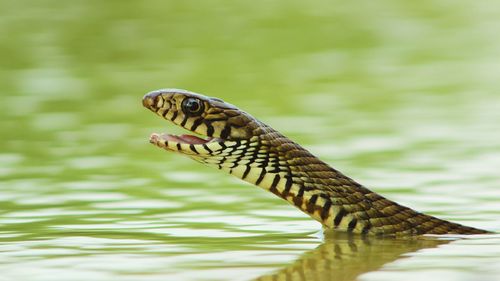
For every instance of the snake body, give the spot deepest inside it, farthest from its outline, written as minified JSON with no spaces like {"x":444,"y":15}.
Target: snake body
{"x":243,"y":146}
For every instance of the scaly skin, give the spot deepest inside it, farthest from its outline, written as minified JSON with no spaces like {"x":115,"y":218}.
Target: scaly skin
{"x":250,"y":150}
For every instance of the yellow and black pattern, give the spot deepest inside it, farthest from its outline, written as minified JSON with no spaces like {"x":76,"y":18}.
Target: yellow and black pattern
{"x":248,"y":149}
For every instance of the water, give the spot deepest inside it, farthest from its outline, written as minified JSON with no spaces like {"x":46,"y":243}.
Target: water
{"x":400,"y":96}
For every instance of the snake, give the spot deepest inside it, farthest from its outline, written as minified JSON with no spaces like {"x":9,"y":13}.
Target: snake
{"x":232,"y":140}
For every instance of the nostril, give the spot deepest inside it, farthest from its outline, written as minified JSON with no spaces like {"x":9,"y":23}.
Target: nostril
{"x":149,"y":99}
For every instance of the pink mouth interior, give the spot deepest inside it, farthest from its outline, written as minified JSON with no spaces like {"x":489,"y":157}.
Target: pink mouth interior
{"x":189,"y":139}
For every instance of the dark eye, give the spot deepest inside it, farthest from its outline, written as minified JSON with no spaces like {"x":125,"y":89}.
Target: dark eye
{"x":192,"y":106}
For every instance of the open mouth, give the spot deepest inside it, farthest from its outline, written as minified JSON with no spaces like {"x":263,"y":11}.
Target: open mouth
{"x":187,"y":144}
{"x":183,"y":139}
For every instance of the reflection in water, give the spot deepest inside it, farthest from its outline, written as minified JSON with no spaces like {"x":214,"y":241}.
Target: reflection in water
{"x":345,"y":257}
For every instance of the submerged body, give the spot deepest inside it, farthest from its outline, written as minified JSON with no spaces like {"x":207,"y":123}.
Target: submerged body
{"x":250,"y":150}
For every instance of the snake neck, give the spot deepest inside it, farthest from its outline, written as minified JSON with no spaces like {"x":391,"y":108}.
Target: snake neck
{"x":279,"y":165}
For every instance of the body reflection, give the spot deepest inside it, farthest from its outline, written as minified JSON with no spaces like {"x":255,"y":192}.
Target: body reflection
{"x":345,"y":257}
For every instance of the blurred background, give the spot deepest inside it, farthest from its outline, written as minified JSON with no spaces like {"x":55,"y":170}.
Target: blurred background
{"x":402,"y":96}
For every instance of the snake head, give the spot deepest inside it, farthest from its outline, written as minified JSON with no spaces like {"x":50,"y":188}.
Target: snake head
{"x":215,"y":120}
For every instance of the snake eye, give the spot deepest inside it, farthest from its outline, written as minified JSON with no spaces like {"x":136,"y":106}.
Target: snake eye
{"x":192,"y":106}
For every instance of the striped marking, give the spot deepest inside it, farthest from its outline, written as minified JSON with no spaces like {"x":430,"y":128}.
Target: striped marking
{"x":160,"y":102}
{"x":234,"y":165}
{"x":196,"y":123}
{"x":247,"y":170}
{"x":311,"y":205}
{"x":222,"y":161}
{"x":205,"y":146}
{"x":325,"y":211}
{"x":225,"y":132}
{"x":193,"y":148}
{"x":210,"y":129}
{"x":253,"y":175}
{"x":201,"y":150}
{"x":222,"y":145}
{"x":164,"y":113}
{"x":273,"y":186}
{"x":214,"y":146}
{"x":352,"y":225}
{"x":288,"y":185}
{"x":338,"y":218}
{"x":267,"y":182}
{"x":261,"y":176}
{"x":174,"y":115}
{"x":238,"y":170}
{"x":183,"y":123}
{"x":301,"y":191}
